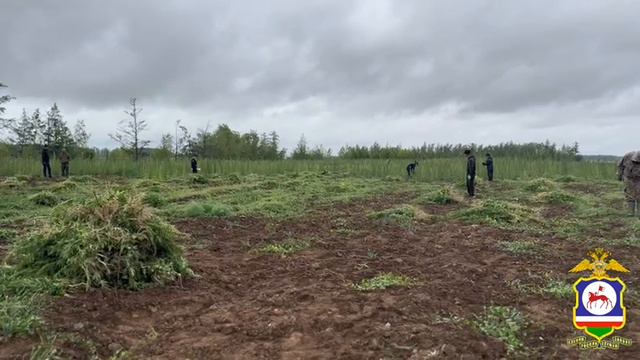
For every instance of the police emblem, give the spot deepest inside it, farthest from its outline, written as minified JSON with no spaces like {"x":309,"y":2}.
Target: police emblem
{"x":599,"y":309}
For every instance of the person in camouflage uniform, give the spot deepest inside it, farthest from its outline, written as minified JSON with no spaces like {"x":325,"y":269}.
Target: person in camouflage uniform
{"x":629,"y":172}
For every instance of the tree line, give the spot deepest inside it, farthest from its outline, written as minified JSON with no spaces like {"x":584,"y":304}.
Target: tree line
{"x":546,"y":150}
{"x":28,"y":133}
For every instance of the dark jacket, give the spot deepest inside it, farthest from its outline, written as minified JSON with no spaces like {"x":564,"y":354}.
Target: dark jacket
{"x":471,"y":165}
{"x":488,"y":163}
{"x":64,"y":157}
{"x":45,"y":156}
{"x":194,"y":164}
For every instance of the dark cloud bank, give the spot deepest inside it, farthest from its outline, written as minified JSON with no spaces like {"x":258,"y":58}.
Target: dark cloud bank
{"x":338,"y":71}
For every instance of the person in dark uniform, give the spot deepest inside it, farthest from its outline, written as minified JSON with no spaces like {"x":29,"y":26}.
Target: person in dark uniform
{"x":489,"y":164}
{"x":46,"y":163}
{"x":411,"y":168}
{"x":194,"y":165}
{"x":471,"y":172}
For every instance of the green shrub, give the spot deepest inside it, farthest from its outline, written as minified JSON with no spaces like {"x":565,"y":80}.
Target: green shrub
{"x":44,"y":198}
{"x":503,"y":323}
{"x":383,"y":281}
{"x":109,"y":240}
{"x":207,"y":209}
{"x":540,"y":185}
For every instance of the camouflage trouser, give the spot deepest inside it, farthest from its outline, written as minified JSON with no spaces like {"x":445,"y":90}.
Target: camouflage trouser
{"x":632,"y":189}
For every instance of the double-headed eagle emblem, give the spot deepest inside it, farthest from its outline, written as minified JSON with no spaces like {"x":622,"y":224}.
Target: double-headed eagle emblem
{"x":599,"y":265}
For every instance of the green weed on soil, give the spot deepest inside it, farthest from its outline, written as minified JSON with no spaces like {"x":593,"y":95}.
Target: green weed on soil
{"x":383,"y":281}
{"x":503,"y":323}
{"x":285,"y":248}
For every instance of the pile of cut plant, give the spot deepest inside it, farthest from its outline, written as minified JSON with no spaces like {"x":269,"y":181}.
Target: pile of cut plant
{"x":111,"y":240}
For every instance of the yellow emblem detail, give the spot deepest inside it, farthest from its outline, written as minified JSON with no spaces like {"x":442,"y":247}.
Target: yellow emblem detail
{"x":599,"y":265}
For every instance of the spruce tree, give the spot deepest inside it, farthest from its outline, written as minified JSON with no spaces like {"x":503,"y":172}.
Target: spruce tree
{"x":130,"y":131}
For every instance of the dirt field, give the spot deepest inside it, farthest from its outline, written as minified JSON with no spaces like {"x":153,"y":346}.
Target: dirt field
{"x":247,"y":305}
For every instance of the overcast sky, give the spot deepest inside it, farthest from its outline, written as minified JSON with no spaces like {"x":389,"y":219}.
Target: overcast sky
{"x":339,"y":72}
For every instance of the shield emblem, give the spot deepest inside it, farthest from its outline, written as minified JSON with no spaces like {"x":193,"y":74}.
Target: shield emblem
{"x":599,"y":306}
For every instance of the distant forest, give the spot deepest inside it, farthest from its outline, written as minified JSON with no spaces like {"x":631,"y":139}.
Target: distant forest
{"x":26,"y":136}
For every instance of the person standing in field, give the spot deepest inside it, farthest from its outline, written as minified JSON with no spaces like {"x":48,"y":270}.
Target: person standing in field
{"x":46,"y":164}
{"x":471,"y":173}
{"x":489,"y":164}
{"x":194,"y":165}
{"x":64,"y":161}
{"x":629,"y":172}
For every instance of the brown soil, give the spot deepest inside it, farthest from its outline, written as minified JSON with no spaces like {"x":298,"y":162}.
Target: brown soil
{"x":554,"y":212}
{"x":246,"y":305}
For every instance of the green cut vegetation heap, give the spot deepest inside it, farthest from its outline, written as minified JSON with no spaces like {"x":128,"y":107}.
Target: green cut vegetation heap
{"x":540,"y":185}
{"x":44,"y":198}
{"x":497,"y":213}
{"x":403,"y":215}
{"x":110,"y":241}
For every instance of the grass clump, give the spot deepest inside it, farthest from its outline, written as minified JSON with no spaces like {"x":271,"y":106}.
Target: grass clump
{"x":443,"y":196}
{"x":233,"y":179}
{"x":540,"y":185}
{"x":558,"y":289}
{"x":20,"y":297}
{"x":18,"y":315}
{"x":383,"y":281}
{"x":402,"y":215}
{"x":521,"y":247}
{"x":566,"y":179}
{"x":12,"y":183}
{"x":44,"y":198}
{"x":504,"y":323}
{"x":207,"y":209}
{"x":154,"y":199}
{"x":112,"y":240}
{"x":199,"y":180}
{"x":84,"y":179}
{"x":65,"y":185}
{"x":496,"y":212}
{"x":285,"y":248}
{"x":7,"y":234}
{"x":556,"y":197}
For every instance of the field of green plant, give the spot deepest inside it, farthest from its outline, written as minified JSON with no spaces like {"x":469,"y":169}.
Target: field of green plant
{"x":66,"y":236}
{"x":445,"y":169}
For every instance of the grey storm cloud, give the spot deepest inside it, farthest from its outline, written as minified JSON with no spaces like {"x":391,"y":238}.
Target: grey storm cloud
{"x":360,"y":61}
